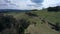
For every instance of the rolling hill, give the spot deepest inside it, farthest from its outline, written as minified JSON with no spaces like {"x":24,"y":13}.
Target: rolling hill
{"x":40,"y":22}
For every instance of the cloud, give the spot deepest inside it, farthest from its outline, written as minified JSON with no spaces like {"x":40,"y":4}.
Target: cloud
{"x":35,"y":5}
{"x":28,"y":4}
{"x":37,"y":1}
{"x":50,"y":3}
{"x":7,"y":4}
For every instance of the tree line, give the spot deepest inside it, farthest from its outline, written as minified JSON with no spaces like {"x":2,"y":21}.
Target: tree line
{"x":55,"y":9}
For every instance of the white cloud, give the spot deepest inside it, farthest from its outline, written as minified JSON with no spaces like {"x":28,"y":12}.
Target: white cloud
{"x":23,"y":4}
{"x":50,"y":3}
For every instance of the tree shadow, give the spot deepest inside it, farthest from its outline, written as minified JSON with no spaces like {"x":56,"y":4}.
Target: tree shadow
{"x":55,"y":26}
{"x":7,"y":21}
{"x":31,"y":14}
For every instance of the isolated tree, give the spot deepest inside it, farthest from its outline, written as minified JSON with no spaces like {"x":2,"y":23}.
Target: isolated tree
{"x":6,"y":21}
{"x":23,"y":25}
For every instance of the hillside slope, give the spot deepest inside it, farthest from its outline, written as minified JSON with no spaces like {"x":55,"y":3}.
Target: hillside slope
{"x":39,"y":21}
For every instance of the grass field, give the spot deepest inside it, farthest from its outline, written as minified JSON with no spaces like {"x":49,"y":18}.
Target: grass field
{"x":54,"y":17}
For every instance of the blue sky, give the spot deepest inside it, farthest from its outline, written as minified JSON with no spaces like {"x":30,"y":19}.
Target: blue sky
{"x":28,"y":4}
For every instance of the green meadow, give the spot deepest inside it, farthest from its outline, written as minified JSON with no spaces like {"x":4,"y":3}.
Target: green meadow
{"x":39,"y":27}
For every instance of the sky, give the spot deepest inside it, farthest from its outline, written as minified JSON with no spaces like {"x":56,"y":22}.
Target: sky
{"x":28,"y":4}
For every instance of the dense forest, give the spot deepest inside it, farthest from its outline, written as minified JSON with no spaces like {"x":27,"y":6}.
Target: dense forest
{"x":56,"y":9}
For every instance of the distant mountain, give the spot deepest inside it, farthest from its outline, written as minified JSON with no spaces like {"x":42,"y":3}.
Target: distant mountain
{"x":13,"y":10}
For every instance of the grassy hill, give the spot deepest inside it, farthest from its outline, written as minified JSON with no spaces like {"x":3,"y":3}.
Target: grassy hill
{"x":39,"y":21}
